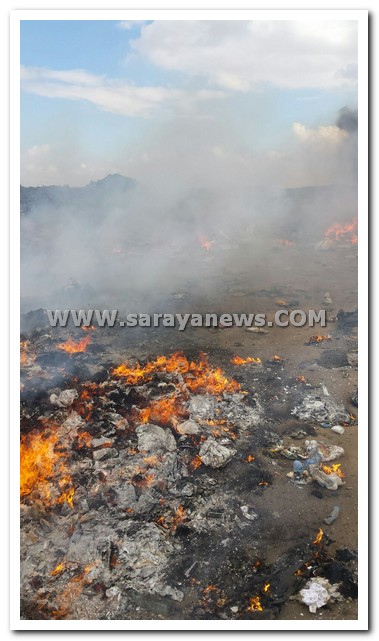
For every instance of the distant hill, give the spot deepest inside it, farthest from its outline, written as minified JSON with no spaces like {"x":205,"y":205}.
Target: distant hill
{"x":112,"y":189}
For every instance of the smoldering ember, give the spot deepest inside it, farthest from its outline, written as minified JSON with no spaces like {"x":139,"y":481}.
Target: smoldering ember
{"x":204,"y":474}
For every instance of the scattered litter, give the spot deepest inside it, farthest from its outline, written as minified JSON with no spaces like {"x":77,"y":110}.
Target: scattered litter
{"x":333,"y":516}
{"x":338,"y":429}
{"x":317,"y":593}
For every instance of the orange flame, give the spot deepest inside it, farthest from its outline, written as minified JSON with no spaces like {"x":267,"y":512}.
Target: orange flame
{"x":343,"y":233}
{"x":237,"y":360}
{"x":171,"y":522}
{"x":283,"y":242}
{"x":266,"y":587}
{"x":88,"y":328}
{"x":72,"y":347}
{"x":318,"y":538}
{"x":41,"y":466}
{"x":196,"y":462}
{"x":250,"y":458}
{"x":164,"y":410}
{"x":198,"y":375}
{"x":58,"y":569}
{"x":318,"y":339}
{"x":334,"y":469}
{"x":206,"y":243}
{"x":72,"y":591}
{"x":255,"y":604}
{"x":26,"y":357}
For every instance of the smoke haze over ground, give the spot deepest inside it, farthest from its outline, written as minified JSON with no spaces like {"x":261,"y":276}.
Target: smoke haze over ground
{"x":220,"y":155}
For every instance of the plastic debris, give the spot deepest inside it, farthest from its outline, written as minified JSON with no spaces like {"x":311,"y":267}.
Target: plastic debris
{"x":317,"y":593}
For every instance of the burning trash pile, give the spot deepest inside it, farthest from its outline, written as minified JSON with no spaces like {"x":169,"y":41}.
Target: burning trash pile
{"x":140,"y":485}
{"x":339,"y":235}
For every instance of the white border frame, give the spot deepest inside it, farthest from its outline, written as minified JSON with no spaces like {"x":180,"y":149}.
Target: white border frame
{"x":361,"y":16}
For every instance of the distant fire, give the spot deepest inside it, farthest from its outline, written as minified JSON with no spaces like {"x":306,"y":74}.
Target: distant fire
{"x":43,"y":469}
{"x":250,"y":458}
{"x":266,"y":588}
{"x":26,"y":357}
{"x":333,"y":469}
{"x":343,"y":234}
{"x":237,"y":360}
{"x":300,"y":379}
{"x":206,"y":243}
{"x":255,"y":604}
{"x":318,"y":538}
{"x":314,"y":340}
{"x":72,"y":347}
{"x":88,"y":328}
{"x":283,"y":242}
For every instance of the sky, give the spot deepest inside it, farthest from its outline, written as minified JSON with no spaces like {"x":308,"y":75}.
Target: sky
{"x":100,"y":97}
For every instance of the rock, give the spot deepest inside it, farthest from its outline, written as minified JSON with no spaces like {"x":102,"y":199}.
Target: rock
{"x":104,"y":454}
{"x":153,"y":438}
{"x":333,"y":516}
{"x":317,"y":593}
{"x":65,"y":398}
{"x":215,"y":455}
{"x":188,"y":427}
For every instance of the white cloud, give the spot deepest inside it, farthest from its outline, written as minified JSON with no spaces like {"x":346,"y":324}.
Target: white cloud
{"x":129,"y":24}
{"x":240,"y":55}
{"x":331,"y":134}
{"x":109,"y":94}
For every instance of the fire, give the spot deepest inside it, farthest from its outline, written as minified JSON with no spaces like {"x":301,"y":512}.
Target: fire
{"x":334,"y":469}
{"x":72,"y":347}
{"x":266,"y":587}
{"x":318,"y":538}
{"x":84,"y":439}
{"x":41,"y":466}
{"x":26,"y":357}
{"x":255,"y":604}
{"x":343,"y":233}
{"x":171,"y":522}
{"x":210,"y":588}
{"x":88,"y":328}
{"x":143,"y":481}
{"x":283,"y":242}
{"x":237,"y":360}
{"x":196,"y":462}
{"x":250,"y":458}
{"x":317,"y":339}
{"x":164,"y":410}
{"x":73,"y":590}
{"x":58,"y":569}
{"x":152,"y":460}
{"x":206,"y":243}
{"x":197,"y":375}
{"x":300,"y":379}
